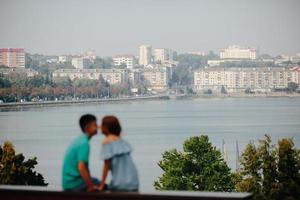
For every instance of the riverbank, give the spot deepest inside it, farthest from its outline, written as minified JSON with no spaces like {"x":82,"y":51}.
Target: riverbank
{"x":81,"y":101}
{"x":243,"y":95}
{"x":152,"y":97}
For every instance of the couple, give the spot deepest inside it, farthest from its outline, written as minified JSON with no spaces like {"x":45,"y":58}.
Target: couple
{"x":115,"y":153}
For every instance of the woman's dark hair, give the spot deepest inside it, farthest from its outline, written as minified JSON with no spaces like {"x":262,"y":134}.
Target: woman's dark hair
{"x":112,"y":124}
{"x":85,"y":120}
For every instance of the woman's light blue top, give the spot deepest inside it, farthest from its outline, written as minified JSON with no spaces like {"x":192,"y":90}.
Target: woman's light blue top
{"x":123,"y":171}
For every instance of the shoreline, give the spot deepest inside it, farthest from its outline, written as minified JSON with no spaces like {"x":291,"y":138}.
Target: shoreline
{"x":242,"y":95}
{"x":153,"y":97}
{"x":79,"y":102}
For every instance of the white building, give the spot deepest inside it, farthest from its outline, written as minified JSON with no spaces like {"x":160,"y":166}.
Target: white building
{"x":238,"y":52}
{"x":80,"y":62}
{"x":198,"y":53}
{"x":112,"y":76}
{"x":157,"y":77}
{"x":134,"y":76}
{"x":7,"y":72}
{"x":128,"y":60}
{"x":145,"y":54}
{"x":90,"y":55}
{"x":64,"y":58}
{"x":239,"y":79}
{"x":162,"y":55}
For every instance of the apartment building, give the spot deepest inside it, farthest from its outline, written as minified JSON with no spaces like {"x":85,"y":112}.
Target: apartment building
{"x":145,"y":55}
{"x":239,"y":79}
{"x":134,"y":76}
{"x":8,"y":72}
{"x":157,"y":77}
{"x":128,"y":60}
{"x":80,"y":62}
{"x":163,"y":55}
{"x":12,"y":57}
{"x":238,"y":52}
{"x":112,"y":76}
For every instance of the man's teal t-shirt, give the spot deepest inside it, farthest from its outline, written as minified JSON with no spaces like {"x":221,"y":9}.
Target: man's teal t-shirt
{"x":78,"y":151}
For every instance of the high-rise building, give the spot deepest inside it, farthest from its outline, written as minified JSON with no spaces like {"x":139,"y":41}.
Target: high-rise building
{"x":90,"y":55}
{"x":80,"y":62}
{"x":12,"y":57}
{"x":128,"y":60}
{"x":238,"y":52}
{"x":162,"y":55}
{"x":145,"y":55}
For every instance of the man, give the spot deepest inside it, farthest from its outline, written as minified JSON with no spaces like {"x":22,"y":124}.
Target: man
{"x":76,"y":175}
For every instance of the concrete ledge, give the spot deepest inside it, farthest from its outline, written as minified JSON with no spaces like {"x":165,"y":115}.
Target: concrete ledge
{"x":38,"y":193}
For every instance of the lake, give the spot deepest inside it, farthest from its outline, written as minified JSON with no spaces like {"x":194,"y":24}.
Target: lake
{"x":151,"y":127}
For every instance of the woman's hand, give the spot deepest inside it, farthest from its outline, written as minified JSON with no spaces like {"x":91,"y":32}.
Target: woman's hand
{"x":92,"y":188}
{"x":101,"y":187}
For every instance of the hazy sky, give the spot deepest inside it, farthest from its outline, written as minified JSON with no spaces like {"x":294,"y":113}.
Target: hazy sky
{"x":120,"y":26}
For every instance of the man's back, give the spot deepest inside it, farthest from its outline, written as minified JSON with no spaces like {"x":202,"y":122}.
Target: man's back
{"x":77,"y":151}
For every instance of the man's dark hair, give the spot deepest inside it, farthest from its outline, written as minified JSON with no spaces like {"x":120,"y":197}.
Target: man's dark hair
{"x":112,"y":124}
{"x":85,"y":120}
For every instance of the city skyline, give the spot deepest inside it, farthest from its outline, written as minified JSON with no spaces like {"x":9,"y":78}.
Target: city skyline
{"x":118,"y":27}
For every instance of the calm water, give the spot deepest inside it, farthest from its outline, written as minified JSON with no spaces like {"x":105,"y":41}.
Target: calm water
{"x":151,"y":127}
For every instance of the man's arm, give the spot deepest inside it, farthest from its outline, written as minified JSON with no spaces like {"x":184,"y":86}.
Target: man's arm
{"x":104,"y":174}
{"x":85,"y":174}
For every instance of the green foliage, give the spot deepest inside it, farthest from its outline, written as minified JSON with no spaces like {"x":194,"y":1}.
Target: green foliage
{"x":199,"y":167}
{"x":182,"y":75}
{"x":105,"y":63}
{"x":249,"y":91}
{"x":4,"y":83}
{"x":209,"y":91}
{"x":195,"y":61}
{"x":223,"y":90}
{"x":269,"y":171}
{"x":63,"y":82}
{"x":84,"y":82}
{"x":247,"y":63}
{"x":15,"y":170}
{"x":292,"y":87}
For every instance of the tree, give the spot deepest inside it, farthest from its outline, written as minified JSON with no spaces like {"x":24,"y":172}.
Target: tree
{"x":223,"y":90}
{"x":209,"y":91}
{"x":200,"y":167}
{"x":292,"y":87}
{"x":4,"y":83}
{"x":288,"y":169}
{"x":249,"y":91}
{"x":270,"y":172}
{"x":63,"y":81}
{"x":15,"y":170}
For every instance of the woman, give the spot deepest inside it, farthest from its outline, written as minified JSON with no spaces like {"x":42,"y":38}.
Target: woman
{"x":116,"y":153}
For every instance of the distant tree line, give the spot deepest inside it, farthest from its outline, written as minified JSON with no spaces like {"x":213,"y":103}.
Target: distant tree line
{"x":42,"y":87}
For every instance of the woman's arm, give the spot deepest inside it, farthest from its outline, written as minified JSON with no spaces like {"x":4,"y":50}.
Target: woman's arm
{"x":105,"y":171}
{"x":84,"y":173}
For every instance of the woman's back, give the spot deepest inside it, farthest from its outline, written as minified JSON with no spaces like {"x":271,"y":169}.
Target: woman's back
{"x":124,"y":172}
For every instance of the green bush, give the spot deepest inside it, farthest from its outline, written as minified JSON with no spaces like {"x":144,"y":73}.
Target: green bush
{"x":15,"y":170}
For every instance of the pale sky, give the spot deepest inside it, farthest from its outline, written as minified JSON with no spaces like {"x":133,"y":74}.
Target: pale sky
{"x":120,"y":26}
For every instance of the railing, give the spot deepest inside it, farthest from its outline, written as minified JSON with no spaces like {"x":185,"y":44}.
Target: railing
{"x":37,"y":193}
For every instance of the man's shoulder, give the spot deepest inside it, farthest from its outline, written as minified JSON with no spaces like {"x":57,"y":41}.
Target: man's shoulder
{"x":81,"y":140}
